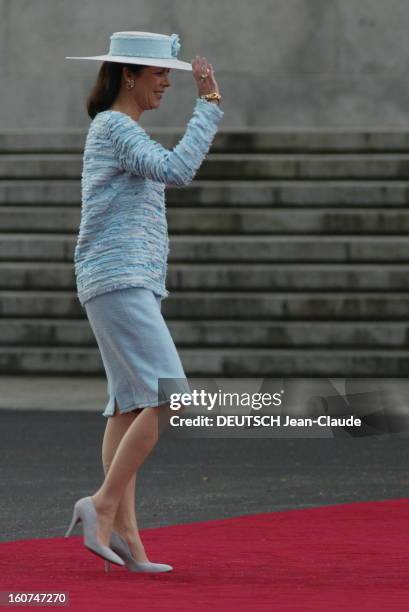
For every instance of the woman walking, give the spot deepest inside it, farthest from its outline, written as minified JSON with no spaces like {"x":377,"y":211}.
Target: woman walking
{"x":120,"y":266}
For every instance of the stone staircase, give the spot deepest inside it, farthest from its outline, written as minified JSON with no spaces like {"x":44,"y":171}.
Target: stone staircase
{"x":289,"y":255}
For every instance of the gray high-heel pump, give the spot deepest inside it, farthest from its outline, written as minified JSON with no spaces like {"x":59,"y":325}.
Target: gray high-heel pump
{"x":84,"y":511}
{"x":120,"y":546}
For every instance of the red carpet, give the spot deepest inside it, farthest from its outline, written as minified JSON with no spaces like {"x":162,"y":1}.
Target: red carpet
{"x":343,"y":557}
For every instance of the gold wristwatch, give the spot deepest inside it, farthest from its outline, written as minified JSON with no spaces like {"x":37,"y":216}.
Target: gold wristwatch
{"x":212,"y":96}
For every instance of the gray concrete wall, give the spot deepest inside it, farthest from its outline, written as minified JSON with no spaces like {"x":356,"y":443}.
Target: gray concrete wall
{"x":279,"y":63}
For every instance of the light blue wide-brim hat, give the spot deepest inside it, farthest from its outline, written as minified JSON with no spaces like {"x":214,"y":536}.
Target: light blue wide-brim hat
{"x":146,"y":48}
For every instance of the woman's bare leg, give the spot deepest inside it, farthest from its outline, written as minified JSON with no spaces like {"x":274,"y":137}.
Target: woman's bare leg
{"x":134,"y":447}
{"x":125,"y":522}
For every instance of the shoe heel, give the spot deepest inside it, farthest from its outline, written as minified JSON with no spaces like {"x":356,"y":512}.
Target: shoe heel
{"x":107,"y":565}
{"x":74,"y":521}
{"x":84,"y":511}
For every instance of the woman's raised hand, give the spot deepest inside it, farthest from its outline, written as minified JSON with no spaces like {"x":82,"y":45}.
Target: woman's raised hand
{"x":200,"y":66}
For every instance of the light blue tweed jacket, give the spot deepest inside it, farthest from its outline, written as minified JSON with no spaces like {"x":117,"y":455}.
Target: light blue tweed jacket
{"x":123,"y":235}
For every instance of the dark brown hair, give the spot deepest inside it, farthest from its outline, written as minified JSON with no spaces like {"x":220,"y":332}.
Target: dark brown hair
{"x":107,"y":86}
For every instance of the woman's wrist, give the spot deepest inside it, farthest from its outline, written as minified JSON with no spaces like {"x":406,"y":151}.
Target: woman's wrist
{"x":212,"y":96}
{"x":216,"y":102}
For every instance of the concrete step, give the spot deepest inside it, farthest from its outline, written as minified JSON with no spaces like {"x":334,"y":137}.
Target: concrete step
{"x":228,"y":140}
{"x":264,"y":166}
{"x":228,"y":277}
{"x":290,"y":305}
{"x":288,"y":277}
{"x":224,"y":220}
{"x":229,"y":362}
{"x":284,"y":221}
{"x":201,"y":193}
{"x":218,"y":333}
{"x":230,"y":166}
{"x":41,"y":165}
{"x":209,"y":249}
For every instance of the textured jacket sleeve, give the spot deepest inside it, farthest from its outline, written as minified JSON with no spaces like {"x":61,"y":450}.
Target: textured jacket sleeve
{"x":139,"y":154}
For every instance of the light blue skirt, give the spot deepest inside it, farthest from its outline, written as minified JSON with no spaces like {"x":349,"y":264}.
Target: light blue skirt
{"x":136,"y":348}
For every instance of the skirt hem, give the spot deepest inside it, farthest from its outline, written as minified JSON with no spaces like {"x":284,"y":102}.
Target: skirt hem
{"x":134,"y":406}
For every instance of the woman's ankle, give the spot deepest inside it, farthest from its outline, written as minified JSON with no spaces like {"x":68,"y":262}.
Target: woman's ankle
{"x":126,"y":531}
{"x":103,"y":505}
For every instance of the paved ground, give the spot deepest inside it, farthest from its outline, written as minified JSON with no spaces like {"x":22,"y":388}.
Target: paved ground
{"x":50,"y":458}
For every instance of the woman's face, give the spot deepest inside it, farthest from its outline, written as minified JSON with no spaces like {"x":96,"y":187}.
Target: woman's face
{"x":150,"y":86}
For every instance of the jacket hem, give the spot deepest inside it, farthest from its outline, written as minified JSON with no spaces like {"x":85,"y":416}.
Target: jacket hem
{"x":85,"y":297}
